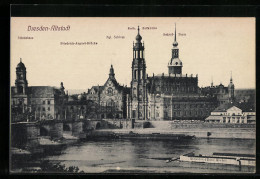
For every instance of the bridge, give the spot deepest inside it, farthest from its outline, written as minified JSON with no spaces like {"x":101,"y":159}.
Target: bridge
{"x":26,"y":134}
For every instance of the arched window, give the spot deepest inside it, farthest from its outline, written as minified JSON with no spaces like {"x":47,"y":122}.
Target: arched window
{"x":157,"y":114}
{"x":141,"y":74}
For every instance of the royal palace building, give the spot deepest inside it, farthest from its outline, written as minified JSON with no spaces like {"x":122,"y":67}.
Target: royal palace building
{"x":166,"y":96}
{"x":35,"y":102}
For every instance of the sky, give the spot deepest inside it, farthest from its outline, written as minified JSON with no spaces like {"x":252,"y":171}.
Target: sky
{"x":209,"y":47}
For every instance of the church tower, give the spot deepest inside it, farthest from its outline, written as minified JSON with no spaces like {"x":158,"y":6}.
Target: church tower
{"x":138,"y":106}
{"x":231,"y":90}
{"x":21,"y":83}
{"x":175,"y":64}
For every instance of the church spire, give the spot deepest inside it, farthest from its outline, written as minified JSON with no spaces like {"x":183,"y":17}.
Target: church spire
{"x":175,"y":64}
{"x":175,"y":43}
{"x":175,"y":33}
{"x":111,"y":72}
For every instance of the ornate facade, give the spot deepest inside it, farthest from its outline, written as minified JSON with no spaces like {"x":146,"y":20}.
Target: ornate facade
{"x":165,"y":97}
{"x":111,"y":98}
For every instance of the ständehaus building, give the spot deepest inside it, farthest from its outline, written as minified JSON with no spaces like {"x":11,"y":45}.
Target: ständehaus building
{"x":167,"y":96}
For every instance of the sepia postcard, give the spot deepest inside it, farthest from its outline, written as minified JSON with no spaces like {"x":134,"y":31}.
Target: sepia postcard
{"x":132,"y":95}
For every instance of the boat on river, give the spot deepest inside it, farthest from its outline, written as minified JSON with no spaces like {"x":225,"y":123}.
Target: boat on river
{"x":221,"y":158}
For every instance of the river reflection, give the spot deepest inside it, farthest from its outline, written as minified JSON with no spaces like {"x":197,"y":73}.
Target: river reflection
{"x":150,"y":155}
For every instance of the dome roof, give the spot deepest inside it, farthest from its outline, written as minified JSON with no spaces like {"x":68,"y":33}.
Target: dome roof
{"x":175,"y":44}
{"x":138,"y":37}
{"x":21,"y":65}
{"x":175,"y":62}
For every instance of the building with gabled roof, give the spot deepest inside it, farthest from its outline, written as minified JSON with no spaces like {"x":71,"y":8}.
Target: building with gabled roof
{"x":111,"y":97}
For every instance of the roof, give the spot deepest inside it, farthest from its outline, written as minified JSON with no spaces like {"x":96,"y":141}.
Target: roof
{"x":41,"y":91}
{"x":245,"y":107}
{"x":80,"y":102}
{"x":97,"y":88}
{"x":175,"y":62}
{"x":21,"y":65}
{"x":214,"y":118}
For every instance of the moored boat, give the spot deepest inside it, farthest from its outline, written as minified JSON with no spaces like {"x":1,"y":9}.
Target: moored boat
{"x":221,"y":158}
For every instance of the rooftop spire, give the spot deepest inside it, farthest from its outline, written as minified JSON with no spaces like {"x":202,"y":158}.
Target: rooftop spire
{"x":138,"y":37}
{"x":20,"y":59}
{"x":175,"y":43}
{"x":231,"y":77}
{"x":111,"y":72}
{"x":175,"y":33}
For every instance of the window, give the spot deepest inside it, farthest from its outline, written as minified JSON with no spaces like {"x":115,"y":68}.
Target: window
{"x":39,"y":108}
{"x":157,"y":114}
{"x":43,"y":102}
{"x":109,"y":91}
{"x":49,"y":102}
{"x":135,"y":74}
{"x":43,"y":109}
{"x":49,"y":109}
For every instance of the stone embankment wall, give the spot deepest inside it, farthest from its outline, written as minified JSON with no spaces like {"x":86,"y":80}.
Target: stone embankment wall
{"x":202,"y":130}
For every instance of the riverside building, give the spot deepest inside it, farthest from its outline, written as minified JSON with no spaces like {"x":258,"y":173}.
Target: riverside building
{"x":165,"y":96}
{"x":35,"y":102}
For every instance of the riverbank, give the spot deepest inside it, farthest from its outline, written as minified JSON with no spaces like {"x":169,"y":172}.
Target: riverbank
{"x":225,"y":133}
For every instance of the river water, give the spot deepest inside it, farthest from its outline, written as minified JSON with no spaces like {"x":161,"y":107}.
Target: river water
{"x":141,"y":156}
{"x":150,"y":155}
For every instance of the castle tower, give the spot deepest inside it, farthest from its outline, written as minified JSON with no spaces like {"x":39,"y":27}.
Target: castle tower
{"x":139,"y":81}
{"x":231,"y":90}
{"x":21,"y":83}
{"x":175,"y":64}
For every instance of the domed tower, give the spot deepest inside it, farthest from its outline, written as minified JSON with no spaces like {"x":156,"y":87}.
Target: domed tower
{"x":231,"y":90}
{"x":21,"y":83}
{"x":138,"y":84}
{"x":175,"y":64}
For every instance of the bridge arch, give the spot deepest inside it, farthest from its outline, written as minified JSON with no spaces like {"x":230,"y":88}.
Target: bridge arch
{"x":66,"y":127}
{"x":44,"y":131}
{"x":98,"y":125}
